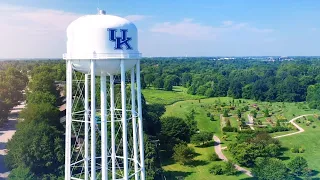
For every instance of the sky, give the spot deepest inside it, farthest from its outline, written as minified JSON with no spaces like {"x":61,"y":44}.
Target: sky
{"x":37,"y":28}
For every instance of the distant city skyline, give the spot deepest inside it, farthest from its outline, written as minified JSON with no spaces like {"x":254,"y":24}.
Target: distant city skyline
{"x":37,"y":28}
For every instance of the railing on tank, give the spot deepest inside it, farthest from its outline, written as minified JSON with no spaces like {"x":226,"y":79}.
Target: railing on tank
{"x":103,"y":56}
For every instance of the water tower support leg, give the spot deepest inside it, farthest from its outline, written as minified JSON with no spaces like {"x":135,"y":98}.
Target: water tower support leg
{"x":134,"y":124}
{"x":124,"y":120}
{"x":93,"y":120}
{"x":68,"y":121}
{"x":113,"y":135}
{"x":104,"y":142}
{"x":86,"y":127}
{"x":141,"y":140}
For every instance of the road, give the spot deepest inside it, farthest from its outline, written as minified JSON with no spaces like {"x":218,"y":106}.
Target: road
{"x":6,"y":133}
{"x":218,"y":150}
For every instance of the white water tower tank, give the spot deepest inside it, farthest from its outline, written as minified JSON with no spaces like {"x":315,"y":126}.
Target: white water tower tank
{"x":104,"y":38}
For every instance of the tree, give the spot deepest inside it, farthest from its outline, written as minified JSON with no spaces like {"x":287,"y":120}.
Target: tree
{"x":270,"y":169}
{"x":39,"y":97}
{"x":266,"y":113}
{"x":38,"y":146}
{"x":254,"y":113}
{"x":158,"y":83}
{"x":201,"y":137}
{"x":21,"y":173}
{"x":173,"y":131}
{"x":149,"y":78}
{"x":191,"y":122}
{"x":239,"y":114}
{"x":225,"y":113}
{"x":298,"y":165}
{"x":183,"y":154}
{"x":168,"y":85}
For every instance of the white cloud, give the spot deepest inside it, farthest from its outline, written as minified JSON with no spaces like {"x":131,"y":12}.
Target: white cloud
{"x":193,"y":30}
{"x":187,"y":28}
{"x":34,"y":33}
{"x":31,"y":32}
{"x":136,"y":17}
{"x":227,"y":23}
{"x":314,"y":29}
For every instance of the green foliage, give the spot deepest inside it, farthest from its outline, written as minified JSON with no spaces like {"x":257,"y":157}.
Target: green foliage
{"x":173,"y":131}
{"x":214,"y":157}
{"x":12,"y":82}
{"x":229,"y":129}
{"x":239,"y":113}
{"x":270,"y":169}
{"x":183,"y":154}
{"x":225,"y":113}
{"x":216,"y":169}
{"x":297,"y":149}
{"x":21,"y":173}
{"x":266,"y":113}
{"x":226,"y":168}
{"x":38,"y":146}
{"x":202,"y":137}
{"x":298,"y":165}
{"x":39,"y":97}
{"x":250,"y":146}
{"x":191,"y":122}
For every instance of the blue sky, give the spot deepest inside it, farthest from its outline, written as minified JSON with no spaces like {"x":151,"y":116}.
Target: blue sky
{"x":36,"y":28}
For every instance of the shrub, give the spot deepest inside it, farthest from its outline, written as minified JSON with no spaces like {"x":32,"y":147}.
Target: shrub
{"x":314,"y":126}
{"x":226,"y":168}
{"x":301,"y":150}
{"x":208,"y":114}
{"x":214,"y":157}
{"x":297,"y":149}
{"x":216,"y":169}
{"x":229,"y":129}
{"x":229,"y":168}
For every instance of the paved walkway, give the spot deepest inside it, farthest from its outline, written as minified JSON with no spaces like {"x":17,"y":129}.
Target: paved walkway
{"x":6,"y":133}
{"x":296,"y":125}
{"x":218,"y":150}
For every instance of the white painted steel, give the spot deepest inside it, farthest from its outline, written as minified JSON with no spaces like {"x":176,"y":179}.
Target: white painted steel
{"x":104,"y":140}
{"x":89,"y":38}
{"x":141,"y":143}
{"x":124,"y":120}
{"x":93,"y":121}
{"x":68,"y":121}
{"x":86,"y":127}
{"x":134,"y":124}
{"x":113,"y":133}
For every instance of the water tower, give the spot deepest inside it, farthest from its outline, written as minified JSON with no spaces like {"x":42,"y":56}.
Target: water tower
{"x":103,"y":140}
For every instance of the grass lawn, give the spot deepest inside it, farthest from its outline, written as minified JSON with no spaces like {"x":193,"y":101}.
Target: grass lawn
{"x":199,"y":169}
{"x":179,"y":104}
{"x":309,"y":140}
{"x":179,"y":93}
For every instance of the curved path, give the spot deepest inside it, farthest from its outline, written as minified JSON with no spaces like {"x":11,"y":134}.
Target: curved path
{"x":6,"y":133}
{"x":296,"y":125}
{"x":218,"y":150}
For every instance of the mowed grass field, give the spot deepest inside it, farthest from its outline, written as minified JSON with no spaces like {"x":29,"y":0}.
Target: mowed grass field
{"x":154,"y":96}
{"x":179,"y":105}
{"x":309,"y":140}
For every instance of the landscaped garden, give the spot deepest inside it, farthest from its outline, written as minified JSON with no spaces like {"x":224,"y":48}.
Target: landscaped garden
{"x":225,"y":117}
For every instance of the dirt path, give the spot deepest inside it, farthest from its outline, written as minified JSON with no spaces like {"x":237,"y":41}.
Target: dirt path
{"x":6,"y":133}
{"x":218,"y":150}
{"x":296,"y":125}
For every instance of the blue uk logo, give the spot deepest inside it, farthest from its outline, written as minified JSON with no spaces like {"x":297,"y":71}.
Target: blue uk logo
{"x":120,"y":41}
